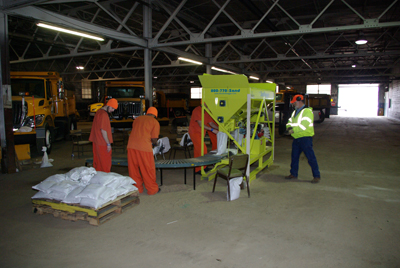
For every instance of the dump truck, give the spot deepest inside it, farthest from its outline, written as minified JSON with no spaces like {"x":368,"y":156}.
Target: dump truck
{"x":171,"y":105}
{"x":131,"y":101}
{"x":43,"y":109}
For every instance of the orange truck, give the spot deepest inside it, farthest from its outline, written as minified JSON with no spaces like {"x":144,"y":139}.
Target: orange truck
{"x":43,"y":109}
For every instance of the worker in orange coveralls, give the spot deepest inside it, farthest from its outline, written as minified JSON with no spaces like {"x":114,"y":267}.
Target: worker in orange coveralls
{"x":101,"y":137}
{"x":141,"y":166}
{"x":195,"y":133}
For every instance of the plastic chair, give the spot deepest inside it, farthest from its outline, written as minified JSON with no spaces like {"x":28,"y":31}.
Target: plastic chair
{"x":187,"y":144}
{"x":237,"y":167}
{"x":78,"y":144}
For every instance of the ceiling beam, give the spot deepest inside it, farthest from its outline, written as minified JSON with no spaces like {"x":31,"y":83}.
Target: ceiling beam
{"x":61,"y":20}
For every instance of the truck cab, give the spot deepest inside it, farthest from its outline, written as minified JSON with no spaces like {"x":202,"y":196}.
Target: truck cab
{"x":131,"y":101}
{"x":42,"y":109}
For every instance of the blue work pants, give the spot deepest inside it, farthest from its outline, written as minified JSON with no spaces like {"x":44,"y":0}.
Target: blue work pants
{"x":300,"y":145}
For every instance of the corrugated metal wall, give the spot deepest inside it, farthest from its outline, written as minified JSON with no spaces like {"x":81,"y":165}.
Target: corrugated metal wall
{"x":394,"y":100}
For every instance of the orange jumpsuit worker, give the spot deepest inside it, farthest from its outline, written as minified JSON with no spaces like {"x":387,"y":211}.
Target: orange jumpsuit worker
{"x":101,"y":137}
{"x":141,"y":166}
{"x":195,"y":132}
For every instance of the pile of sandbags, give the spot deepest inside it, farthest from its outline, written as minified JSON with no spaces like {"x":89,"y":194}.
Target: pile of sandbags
{"x":84,"y":186}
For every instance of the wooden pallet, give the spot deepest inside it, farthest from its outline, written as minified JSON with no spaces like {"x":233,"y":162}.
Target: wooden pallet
{"x":74,"y":212}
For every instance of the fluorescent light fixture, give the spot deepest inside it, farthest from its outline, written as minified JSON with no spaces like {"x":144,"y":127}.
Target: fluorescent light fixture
{"x":191,"y":82}
{"x":287,"y":87}
{"x":155,"y":77}
{"x":222,"y":70}
{"x":353,"y":66}
{"x":361,"y":40}
{"x":269,"y":81}
{"x":191,"y":61}
{"x":80,"y":67}
{"x":69,"y":31}
{"x":253,"y":77}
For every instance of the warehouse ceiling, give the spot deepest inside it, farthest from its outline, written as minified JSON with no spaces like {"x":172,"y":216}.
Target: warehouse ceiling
{"x":289,"y":42}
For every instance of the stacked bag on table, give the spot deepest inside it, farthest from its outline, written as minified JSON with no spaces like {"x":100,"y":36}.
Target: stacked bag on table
{"x":84,"y":186}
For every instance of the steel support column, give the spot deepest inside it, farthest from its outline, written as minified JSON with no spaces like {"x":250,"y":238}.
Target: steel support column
{"x":208,"y":54}
{"x":147,"y":33}
{"x":6,"y":122}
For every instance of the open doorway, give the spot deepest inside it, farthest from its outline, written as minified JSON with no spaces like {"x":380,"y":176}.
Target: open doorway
{"x":358,"y":100}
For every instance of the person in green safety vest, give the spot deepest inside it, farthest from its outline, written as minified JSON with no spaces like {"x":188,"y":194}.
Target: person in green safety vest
{"x":301,"y":127}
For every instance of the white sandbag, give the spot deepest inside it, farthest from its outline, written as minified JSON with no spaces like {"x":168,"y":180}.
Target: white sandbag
{"x":109,"y":194}
{"x":65,"y":186}
{"x":56,"y":178}
{"x":76,"y":174}
{"x":222,"y":141}
{"x":92,"y":191}
{"x":130,"y":188}
{"x":56,"y":195}
{"x":125,"y":189}
{"x":115,"y":184}
{"x":45,"y":158}
{"x":189,"y":141}
{"x":104,"y":178}
{"x":126,"y":180}
{"x":93,"y":203}
{"x":41,"y":195}
{"x":72,"y":198}
{"x":85,"y":179}
{"x":121,"y":191}
{"x":44,"y":186}
{"x":234,"y":185}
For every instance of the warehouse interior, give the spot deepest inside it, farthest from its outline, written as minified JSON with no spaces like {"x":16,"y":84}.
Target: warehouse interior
{"x":349,"y":219}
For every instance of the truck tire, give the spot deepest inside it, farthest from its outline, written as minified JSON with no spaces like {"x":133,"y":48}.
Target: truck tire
{"x":47,"y":141}
{"x":321,"y":117}
{"x":72,"y":125}
{"x":178,"y":112}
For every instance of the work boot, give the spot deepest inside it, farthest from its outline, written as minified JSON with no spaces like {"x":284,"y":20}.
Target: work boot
{"x":315,"y":180}
{"x":291,"y":177}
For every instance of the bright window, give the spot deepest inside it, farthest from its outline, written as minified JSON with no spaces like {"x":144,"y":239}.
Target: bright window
{"x":195,"y":93}
{"x":319,"y":89}
{"x":86,"y":89}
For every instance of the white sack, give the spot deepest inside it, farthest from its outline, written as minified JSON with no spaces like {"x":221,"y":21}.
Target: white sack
{"x":109,"y":194}
{"x":44,"y":186}
{"x":76,"y":174}
{"x":130,"y":188}
{"x":189,"y":142}
{"x":115,"y":184}
{"x":125,"y":189}
{"x":65,"y":186}
{"x":104,"y":178}
{"x":41,"y":195}
{"x":126,"y":180}
{"x":56,"y":178}
{"x":71,"y":197}
{"x":92,"y":191}
{"x":93,"y":203}
{"x":234,"y":185}
{"x":45,"y":159}
{"x":165,"y":143}
{"x":56,"y":195}
{"x":222,"y":140}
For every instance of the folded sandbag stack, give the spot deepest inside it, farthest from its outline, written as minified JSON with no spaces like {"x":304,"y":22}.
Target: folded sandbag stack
{"x":84,"y":186}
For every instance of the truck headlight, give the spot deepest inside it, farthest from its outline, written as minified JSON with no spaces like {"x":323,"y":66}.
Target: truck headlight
{"x":29,"y":122}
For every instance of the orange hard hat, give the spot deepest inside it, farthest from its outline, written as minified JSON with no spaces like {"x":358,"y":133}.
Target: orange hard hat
{"x":297,"y":98}
{"x":153,"y":111}
{"x":112,"y":103}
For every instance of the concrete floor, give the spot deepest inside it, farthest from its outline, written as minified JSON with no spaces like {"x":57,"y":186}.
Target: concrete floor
{"x":350,"y":219}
